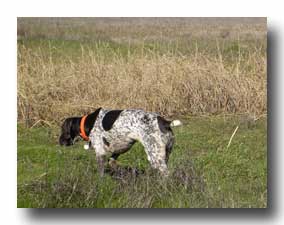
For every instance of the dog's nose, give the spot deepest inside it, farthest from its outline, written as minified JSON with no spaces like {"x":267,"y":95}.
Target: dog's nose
{"x":63,"y":141}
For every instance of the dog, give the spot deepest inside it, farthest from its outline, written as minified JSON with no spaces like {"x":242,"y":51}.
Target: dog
{"x":115,"y":131}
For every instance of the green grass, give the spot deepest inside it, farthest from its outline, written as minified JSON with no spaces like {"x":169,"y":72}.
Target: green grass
{"x":204,"y":172}
{"x":72,"y":49}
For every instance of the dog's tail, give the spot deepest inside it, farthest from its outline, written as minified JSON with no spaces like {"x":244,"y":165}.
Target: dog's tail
{"x":175,"y":123}
{"x":165,"y":125}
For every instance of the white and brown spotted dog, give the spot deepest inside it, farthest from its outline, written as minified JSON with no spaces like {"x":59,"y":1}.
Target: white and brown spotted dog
{"x":115,"y":131}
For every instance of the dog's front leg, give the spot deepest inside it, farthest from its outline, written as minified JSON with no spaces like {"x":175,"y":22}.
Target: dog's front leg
{"x":101,"y":164}
{"x":97,"y":145}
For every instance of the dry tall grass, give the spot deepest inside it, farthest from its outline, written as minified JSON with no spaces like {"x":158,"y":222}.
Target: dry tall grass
{"x":167,"y":84}
{"x":51,"y":88}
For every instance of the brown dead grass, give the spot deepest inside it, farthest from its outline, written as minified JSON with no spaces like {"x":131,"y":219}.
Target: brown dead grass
{"x":51,"y":88}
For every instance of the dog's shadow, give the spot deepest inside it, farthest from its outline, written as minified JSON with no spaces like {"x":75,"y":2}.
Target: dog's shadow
{"x":186,"y":177}
{"x":123,"y":172}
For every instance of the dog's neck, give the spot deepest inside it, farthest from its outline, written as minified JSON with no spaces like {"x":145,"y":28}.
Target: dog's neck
{"x":89,"y":122}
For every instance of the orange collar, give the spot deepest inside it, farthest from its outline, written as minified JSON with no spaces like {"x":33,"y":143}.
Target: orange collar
{"x":82,"y":128}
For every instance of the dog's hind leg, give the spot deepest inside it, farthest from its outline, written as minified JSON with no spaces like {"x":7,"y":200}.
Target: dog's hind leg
{"x":156,"y":154}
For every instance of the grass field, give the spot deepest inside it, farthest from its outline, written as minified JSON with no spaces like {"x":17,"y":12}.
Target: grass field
{"x":204,"y":172}
{"x":210,"y":72}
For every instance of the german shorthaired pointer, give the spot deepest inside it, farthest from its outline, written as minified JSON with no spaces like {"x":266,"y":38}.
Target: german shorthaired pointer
{"x":115,"y":131}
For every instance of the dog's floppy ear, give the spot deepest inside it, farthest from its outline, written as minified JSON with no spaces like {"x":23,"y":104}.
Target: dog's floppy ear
{"x":66,"y":126}
{"x":65,"y":137}
{"x":69,"y":130}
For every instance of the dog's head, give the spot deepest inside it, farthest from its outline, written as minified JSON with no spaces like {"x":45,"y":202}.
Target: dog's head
{"x":70,"y":129}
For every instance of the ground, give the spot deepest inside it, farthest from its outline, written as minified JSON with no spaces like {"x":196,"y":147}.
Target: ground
{"x":205,"y":172}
